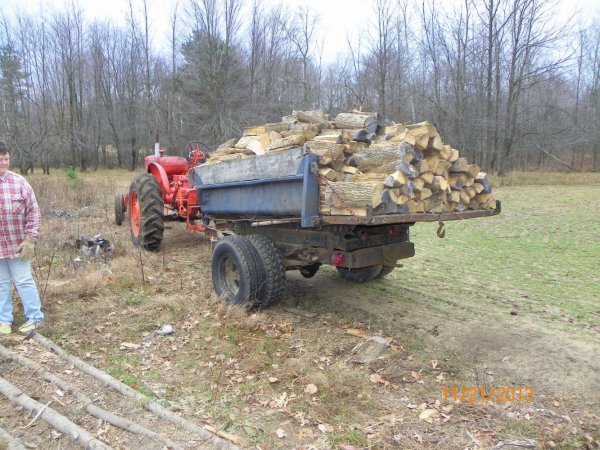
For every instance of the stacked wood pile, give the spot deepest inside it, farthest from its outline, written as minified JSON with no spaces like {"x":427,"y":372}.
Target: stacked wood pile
{"x":368,"y":166}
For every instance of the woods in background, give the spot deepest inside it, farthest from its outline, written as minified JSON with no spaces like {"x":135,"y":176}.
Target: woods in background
{"x":506,"y":82}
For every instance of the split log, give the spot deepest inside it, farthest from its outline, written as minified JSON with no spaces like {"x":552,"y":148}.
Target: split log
{"x":285,"y":142}
{"x":427,"y":177}
{"x":442,"y":168}
{"x":454,"y":196}
{"x":419,"y":183}
{"x":314,"y":117}
{"x":206,"y":432}
{"x":465,"y":199}
{"x":457,"y":180}
{"x":398,"y":197}
{"x":433,"y":162}
{"x":308,"y":131}
{"x":437,"y":203}
{"x":424,"y":194}
{"x":394,"y":130}
{"x":396,"y":179}
{"x":325,"y":148}
{"x":435,"y":143}
{"x":439,"y":183}
{"x":422,"y":128}
{"x":227,"y":144}
{"x":266,"y":128}
{"x":415,"y":207}
{"x":473,"y":170}
{"x":482,"y":179}
{"x":348,"y":195}
{"x":51,"y":417}
{"x":349,"y":169}
{"x":446,"y":152}
{"x":460,"y":165}
{"x":455,"y":155}
{"x":422,"y":166}
{"x":329,"y":174}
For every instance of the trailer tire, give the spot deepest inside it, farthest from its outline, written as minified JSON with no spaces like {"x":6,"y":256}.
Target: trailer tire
{"x":385,"y":270}
{"x":237,"y":272}
{"x":119,"y":209}
{"x":361,"y":275}
{"x":274,"y":271}
{"x":146,"y":212}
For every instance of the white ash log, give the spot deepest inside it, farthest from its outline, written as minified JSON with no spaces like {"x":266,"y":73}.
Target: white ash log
{"x":369,"y":121}
{"x":343,"y":194}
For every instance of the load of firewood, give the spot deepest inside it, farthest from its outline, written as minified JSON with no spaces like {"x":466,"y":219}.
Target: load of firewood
{"x":368,"y":166}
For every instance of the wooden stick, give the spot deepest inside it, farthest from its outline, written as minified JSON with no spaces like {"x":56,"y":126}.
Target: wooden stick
{"x":37,"y":415}
{"x":210,"y":436}
{"x":52,"y":418}
{"x":96,"y":411}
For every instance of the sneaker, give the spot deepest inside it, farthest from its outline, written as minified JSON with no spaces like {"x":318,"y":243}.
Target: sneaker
{"x":5,"y":328}
{"x":29,"y":326}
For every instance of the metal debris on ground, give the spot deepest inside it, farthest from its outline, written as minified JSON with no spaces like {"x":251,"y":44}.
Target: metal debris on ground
{"x":60,"y":213}
{"x":95,"y":246}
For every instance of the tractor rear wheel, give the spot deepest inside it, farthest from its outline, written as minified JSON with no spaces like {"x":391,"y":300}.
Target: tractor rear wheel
{"x":237,"y":272}
{"x":361,"y":275}
{"x":146,"y":212}
{"x":119,"y":209}
{"x":274,"y":272}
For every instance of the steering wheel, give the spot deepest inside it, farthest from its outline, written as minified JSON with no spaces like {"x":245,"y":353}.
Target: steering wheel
{"x":196,"y":152}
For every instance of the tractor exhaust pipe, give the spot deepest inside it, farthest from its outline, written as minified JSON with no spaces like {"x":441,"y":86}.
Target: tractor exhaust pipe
{"x":156,"y":147}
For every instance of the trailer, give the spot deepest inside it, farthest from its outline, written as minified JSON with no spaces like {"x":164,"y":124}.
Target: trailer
{"x":265,"y":210}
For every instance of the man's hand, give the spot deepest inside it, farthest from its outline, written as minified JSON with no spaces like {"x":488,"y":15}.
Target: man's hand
{"x":26,"y":249}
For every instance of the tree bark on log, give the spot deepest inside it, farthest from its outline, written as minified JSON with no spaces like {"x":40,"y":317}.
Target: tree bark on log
{"x":369,"y":122}
{"x":51,"y":417}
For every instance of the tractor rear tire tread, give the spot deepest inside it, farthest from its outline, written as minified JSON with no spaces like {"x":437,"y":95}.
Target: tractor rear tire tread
{"x":151,"y":212}
{"x":274,"y":271}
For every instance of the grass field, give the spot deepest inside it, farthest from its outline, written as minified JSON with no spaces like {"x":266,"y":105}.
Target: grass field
{"x":512,"y":300}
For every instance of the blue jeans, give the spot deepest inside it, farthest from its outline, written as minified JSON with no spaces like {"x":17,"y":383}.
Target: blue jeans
{"x":20,"y":272}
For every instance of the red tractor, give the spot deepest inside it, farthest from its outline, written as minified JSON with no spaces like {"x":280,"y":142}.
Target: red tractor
{"x":162,"y":192}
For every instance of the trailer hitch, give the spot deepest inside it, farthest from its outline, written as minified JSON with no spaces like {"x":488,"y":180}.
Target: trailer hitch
{"x":441,"y":233}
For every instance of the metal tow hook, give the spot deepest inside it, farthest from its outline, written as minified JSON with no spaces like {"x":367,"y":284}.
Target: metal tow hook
{"x":441,"y":233}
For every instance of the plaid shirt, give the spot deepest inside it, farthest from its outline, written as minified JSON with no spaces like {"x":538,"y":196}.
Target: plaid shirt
{"x":20,"y":216}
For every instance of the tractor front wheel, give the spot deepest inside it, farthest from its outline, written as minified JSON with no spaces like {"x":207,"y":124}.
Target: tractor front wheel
{"x":146,"y":212}
{"x":119,"y":209}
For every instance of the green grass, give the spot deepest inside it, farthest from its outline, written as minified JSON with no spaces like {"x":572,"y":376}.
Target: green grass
{"x":539,"y":256}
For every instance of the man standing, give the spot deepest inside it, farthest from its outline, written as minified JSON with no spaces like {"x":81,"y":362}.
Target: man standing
{"x":20,"y":222}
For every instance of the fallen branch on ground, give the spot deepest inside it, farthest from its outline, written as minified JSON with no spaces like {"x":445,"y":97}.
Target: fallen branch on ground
{"x":210,"y":434}
{"x":96,"y":411}
{"x":52,"y":418}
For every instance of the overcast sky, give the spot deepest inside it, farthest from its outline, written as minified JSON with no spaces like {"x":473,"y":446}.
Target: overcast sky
{"x":337,"y":17}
